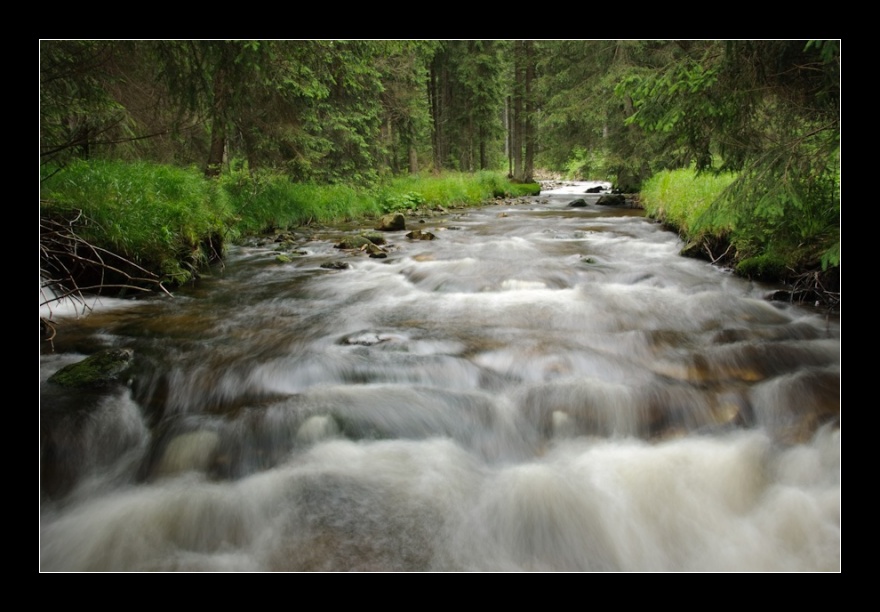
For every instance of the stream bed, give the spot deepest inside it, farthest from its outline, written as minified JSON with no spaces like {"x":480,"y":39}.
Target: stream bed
{"x":539,"y":388}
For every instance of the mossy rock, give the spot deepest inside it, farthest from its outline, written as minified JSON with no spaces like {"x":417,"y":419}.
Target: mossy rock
{"x":765,"y":267}
{"x":101,"y":369}
{"x":353,"y":242}
{"x":375,"y":238}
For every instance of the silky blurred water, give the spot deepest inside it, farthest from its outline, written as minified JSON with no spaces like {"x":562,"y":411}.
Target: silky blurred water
{"x":541,"y":388}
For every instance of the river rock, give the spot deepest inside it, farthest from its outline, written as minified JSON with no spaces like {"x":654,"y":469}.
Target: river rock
{"x":579,"y":203}
{"x":391,"y":222}
{"x":189,"y":451}
{"x":101,"y":369}
{"x":353,"y":242}
{"x":612,"y":199}
{"x":596,"y":189}
{"x":375,"y":238}
{"x":420,"y":235}
{"x":374,"y":251}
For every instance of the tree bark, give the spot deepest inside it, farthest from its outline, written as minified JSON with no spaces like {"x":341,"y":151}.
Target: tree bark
{"x":517,"y":127}
{"x":529,"y":128}
{"x":219,"y":111}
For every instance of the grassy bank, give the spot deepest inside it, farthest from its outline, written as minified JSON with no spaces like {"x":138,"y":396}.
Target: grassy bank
{"x":779,"y":237}
{"x":172,"y":221}
{"x":159,"y":219}
{"x":265,"y":201}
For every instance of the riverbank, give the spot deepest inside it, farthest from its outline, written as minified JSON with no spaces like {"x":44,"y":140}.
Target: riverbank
{"x":800,"y":249}
{"x":537,"y":389}
{"x":118,"y":228}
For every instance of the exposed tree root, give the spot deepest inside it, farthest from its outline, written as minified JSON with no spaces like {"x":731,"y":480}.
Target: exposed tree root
{"x":818,"y":288}
{"x":71,"y":266}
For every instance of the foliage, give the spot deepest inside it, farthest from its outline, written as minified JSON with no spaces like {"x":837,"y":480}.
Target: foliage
{"x":768,"y":110}
{"x":580,"y":109}
{"x":766,"y":266}
{"x":76,"y":107}
{"x":452,"y":188}
{"x":780,"y":232}
{"x":323,"y":111}
{"x":682,"y":198}
{"x":467,"y":88}
{"x":157,"y":216}
{"x":265,"y":200}
{"x":406,"y":120}
{"x":584,"y":164}
{"x":393,"y":202}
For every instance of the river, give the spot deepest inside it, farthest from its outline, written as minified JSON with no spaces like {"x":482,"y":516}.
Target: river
{"x":540,"y":388}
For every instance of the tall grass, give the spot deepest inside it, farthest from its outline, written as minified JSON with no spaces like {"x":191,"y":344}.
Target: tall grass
{"x":264,"y":201}
{"x":172,"y":220}
{"x":449,"y":189}
{"x":161,"y":217}
{"x":776,"y":231}
{"x":682,"y":198}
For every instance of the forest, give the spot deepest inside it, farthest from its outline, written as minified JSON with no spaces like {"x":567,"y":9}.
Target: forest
{"x":201,"y":132}
{"x":357,"y":305}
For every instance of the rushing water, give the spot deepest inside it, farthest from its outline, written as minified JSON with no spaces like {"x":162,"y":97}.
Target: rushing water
{"x":540,"y":388}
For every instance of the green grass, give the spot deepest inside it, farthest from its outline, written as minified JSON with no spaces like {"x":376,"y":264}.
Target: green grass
{"x":449,"y":189}
{"x":682,"y":198}
{"x":164,"y":218}
{"x":265,"y":201}
{"x":172,"y":221}
{"x":776,"y":233}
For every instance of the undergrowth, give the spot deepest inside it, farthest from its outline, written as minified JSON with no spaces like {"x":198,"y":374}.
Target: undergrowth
{"x":161,"y":220}
{"x":166,"y":219}
{"x":786,"y":231}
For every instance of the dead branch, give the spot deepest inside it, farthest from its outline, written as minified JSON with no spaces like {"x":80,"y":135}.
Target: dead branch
{"x":66,"y":258}
{"x":712,"y":258}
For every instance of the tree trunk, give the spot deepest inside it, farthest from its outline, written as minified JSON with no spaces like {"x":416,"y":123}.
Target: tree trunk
{"x":413,"y":160}
{"x":434,"y":102}
{"x":529,"y":128}
{"x":219,"y":110}
{"x":508,"y":143}
{"x":218,"y":148}
{"x":484,"y":160}
{"x":517,"y":128}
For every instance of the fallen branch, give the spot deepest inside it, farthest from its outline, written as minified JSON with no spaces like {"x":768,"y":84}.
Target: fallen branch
{"x":66,"y":259}
{"x":712,"y":258}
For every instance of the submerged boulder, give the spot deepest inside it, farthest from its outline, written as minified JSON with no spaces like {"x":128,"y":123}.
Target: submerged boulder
{"x":579,"y":203}
{"x":612,"y":199}
{"x":101,"y":369}
{"x":420,"y":235}
{"x":353,"y":242}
